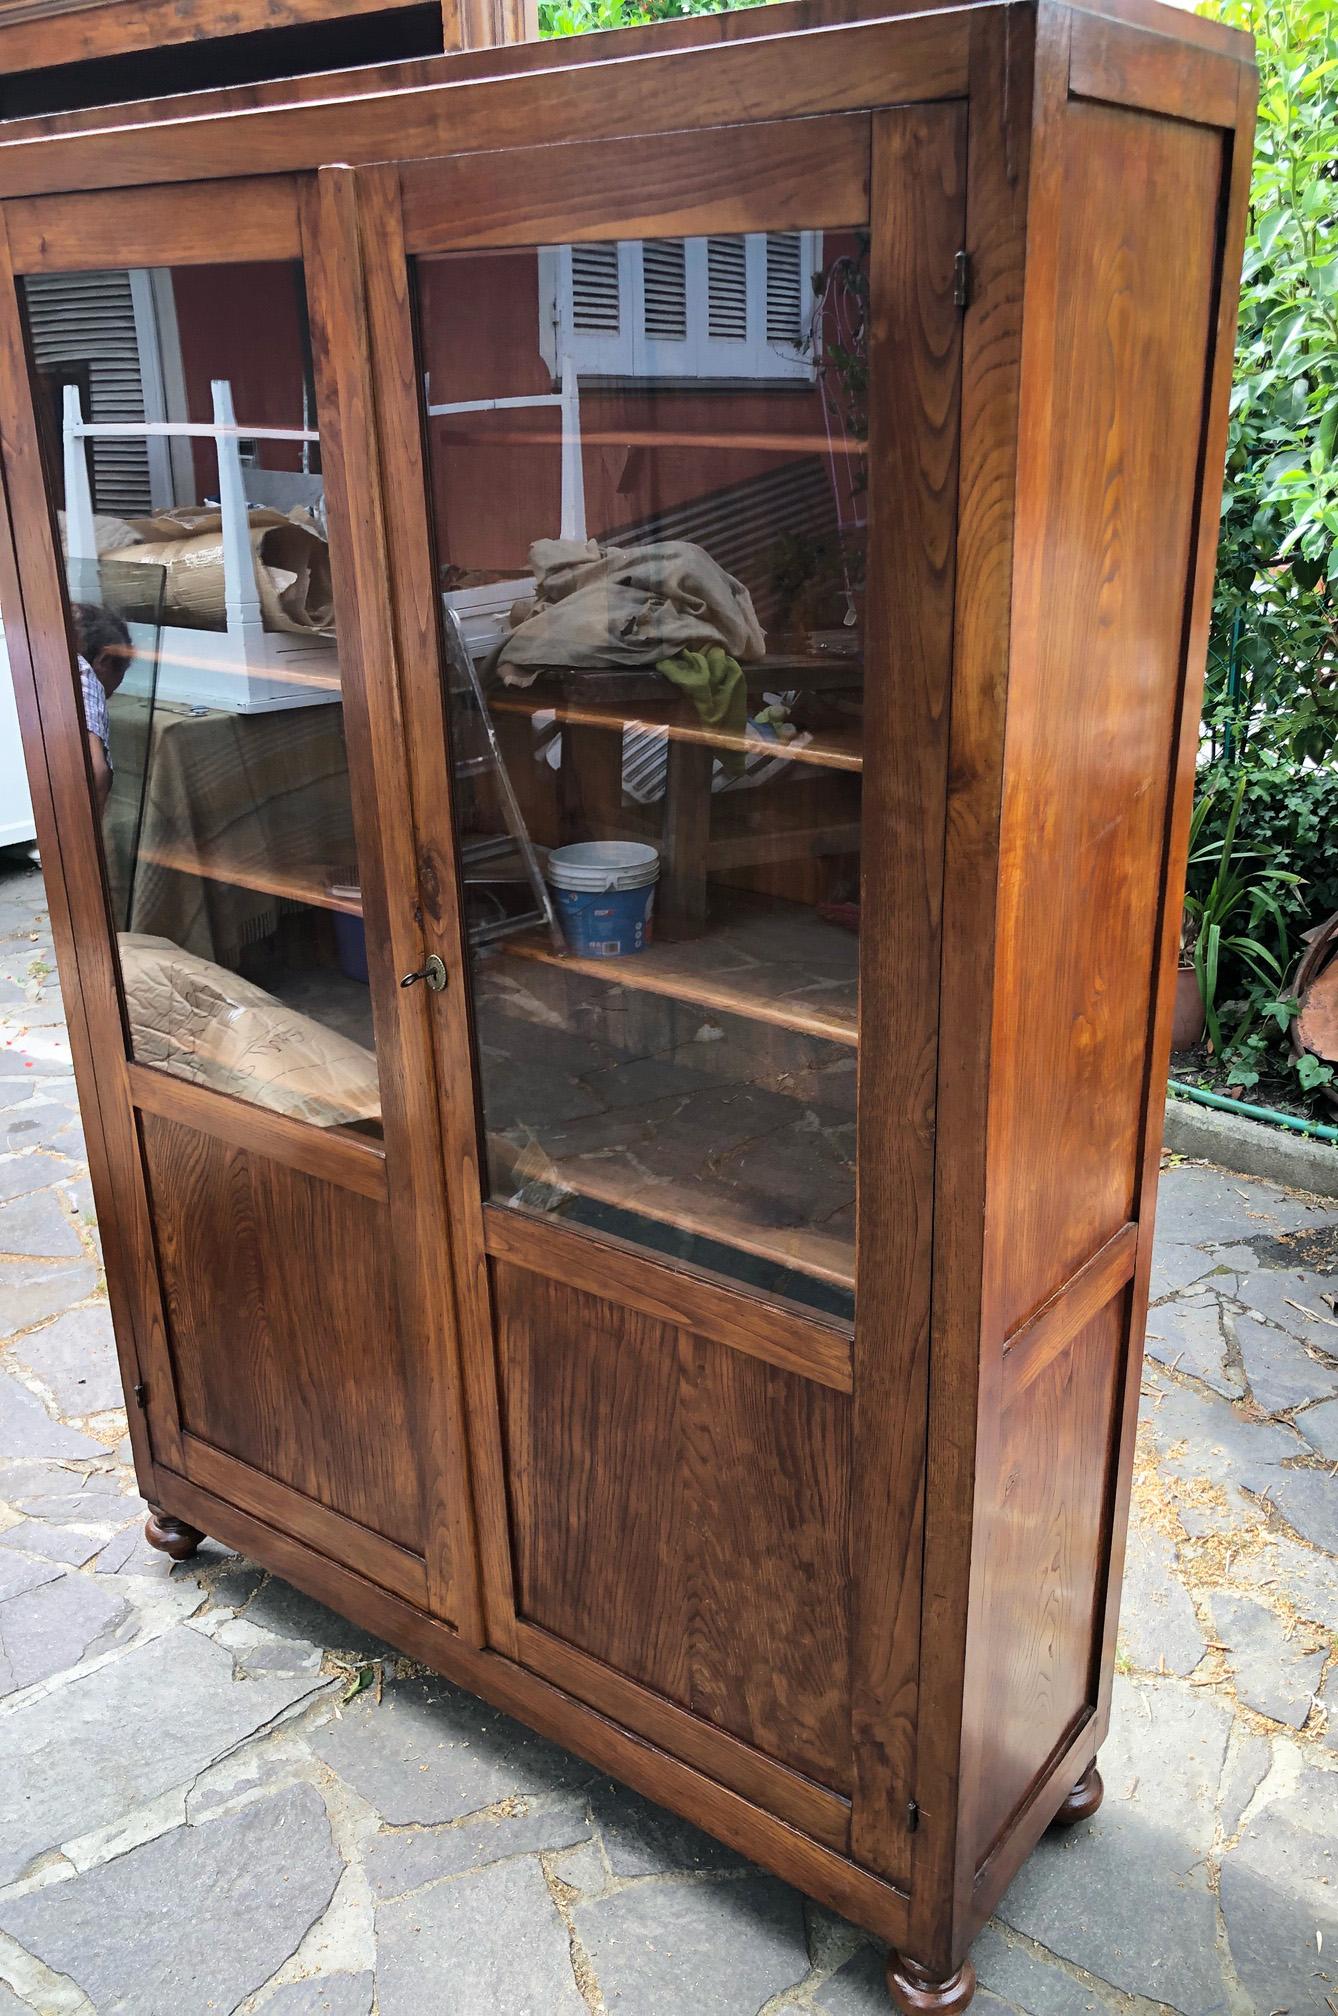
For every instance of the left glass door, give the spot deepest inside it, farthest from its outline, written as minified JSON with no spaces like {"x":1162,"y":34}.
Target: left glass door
{"x":185,"y":458}
{"x":243,"y":926}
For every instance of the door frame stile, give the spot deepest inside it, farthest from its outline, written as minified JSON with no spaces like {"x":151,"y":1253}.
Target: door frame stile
{"x":412,"y":593}
{"x":81,"y":916}
{"x":1007,"y":55}
{"x":917,"y":228}
{"x":333,"y":248}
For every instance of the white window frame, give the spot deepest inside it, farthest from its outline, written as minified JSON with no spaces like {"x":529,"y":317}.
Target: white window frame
{"x":630,"y":353}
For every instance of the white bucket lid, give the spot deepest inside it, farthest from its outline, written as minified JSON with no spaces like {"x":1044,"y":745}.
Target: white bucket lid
{"x":592,"y":866}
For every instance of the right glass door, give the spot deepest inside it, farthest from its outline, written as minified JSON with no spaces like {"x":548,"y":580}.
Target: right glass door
{"x":648,"y":464}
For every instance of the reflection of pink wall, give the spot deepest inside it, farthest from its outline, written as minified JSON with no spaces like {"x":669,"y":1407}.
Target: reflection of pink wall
{"x":479,"y":335}
{"x":243,"y":322}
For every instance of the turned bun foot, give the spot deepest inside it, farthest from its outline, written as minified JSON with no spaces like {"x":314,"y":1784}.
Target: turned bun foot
{"x":914,"y":1991}
{"x":1083,"y":1800}
{"x":171,"y":1536}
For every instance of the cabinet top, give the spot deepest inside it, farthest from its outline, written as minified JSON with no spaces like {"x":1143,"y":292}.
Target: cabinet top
{"x":1156,"y":55}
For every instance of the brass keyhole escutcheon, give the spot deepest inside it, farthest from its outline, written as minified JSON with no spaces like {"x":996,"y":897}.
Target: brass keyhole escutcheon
{"x":434,"y":972}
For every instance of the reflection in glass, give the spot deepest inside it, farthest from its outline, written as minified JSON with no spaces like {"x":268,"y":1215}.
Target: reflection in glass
{"x":180,"y":443}
{"x":648,"y":470}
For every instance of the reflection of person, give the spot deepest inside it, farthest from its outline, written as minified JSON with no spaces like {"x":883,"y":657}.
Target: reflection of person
{"x":105,"y":650}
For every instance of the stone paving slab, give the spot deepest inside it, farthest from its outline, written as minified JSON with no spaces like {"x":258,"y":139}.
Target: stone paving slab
{"x":194,"y":1820}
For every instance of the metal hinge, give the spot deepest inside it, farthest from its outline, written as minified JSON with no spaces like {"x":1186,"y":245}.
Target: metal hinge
{"x":912,"y":1817}
{"x":141,"y":1395}
{"x":961,"y":280}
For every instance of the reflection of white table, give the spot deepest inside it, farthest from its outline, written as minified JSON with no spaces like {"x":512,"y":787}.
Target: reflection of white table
{"x":16,"y":810}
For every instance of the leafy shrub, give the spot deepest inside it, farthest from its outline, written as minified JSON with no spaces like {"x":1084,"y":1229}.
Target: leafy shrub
{"x":578,"y":17}
{"x":1271,"y":699}
{"x":1274,"y":652}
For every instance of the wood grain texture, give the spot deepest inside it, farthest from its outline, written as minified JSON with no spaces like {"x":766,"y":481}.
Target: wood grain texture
{"x":1042,"y":1612}
{"x":1177,"y":279}
{"x":187,"y":226}
{"x":285,"y":1336}
{"x":963,"y":1408}
{"x":57,"y":746}
{"x":1035,"y":1344}
{"x":794,"y":174}
{"x":1233,"y":207}
{"x":334,"y":1157}
{"x":666,"y":38}
{"x":680,"y":1513}
{"x":719,"y":1575}
{"x":410,"y":585}
{"x":399,"y":1569}
{"x":379,"y":784}
{"x":816,"y":1811}
{"x":487,"y":24}
{"x":1117,"y":63}
{"x":1105,"y":520}
{"x":918,"y":228}
{"x":673,"y":1294}
{"x":34,"y":37}
{"x":911,"y":59}
{"x":547,"y":1708}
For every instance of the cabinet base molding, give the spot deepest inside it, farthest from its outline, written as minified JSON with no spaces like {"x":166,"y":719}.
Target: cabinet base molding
{"x":916,"y":1992}
{"x":171,"y":1535}
{"x":1083,"y":1801}
{"x":880,"y":1907}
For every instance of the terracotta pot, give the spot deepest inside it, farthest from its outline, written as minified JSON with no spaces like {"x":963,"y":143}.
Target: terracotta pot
{"x":1187,"y":1023}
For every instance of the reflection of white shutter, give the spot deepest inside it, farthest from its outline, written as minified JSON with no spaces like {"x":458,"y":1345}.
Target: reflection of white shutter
{"x":665,"y":289}
{"x":595,"y":303}
{"x":727,"y":290}
{"x":731,"y":306}
{"x":89,"y":318}
{"x":785,"y":304}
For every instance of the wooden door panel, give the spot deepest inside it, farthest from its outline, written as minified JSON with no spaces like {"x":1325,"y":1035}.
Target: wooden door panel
{"x":679,"y":1513}
{"x":282,"y":1323}
{"x":1047,"y":1535}
{"x":1106,"y":521}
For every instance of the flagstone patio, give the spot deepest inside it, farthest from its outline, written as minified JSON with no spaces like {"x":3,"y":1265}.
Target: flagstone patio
{"x":216,"y":1796}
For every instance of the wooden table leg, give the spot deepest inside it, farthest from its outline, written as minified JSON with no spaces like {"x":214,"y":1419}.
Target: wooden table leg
{"x":687,"y":833}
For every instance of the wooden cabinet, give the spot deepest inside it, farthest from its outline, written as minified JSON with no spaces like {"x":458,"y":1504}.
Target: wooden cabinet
{"x":719,"y":1351}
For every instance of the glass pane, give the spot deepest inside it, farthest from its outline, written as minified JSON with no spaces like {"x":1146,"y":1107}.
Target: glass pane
{"x":180,"y":442}
{"x":648,"y":471}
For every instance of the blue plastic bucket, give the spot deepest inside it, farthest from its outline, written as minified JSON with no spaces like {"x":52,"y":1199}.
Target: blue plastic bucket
{"x":351,"y":945}
{"x":604,"y":891}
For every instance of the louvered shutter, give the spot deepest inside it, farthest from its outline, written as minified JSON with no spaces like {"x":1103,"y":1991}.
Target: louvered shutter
{"x":586,"y":308}
{"x":729,"y":306}
{"x":89,"y":318}
{"x":785,"y":281}
{"x":727,"y":290}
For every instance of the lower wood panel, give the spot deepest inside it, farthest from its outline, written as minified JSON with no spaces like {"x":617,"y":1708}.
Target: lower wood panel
{"x":680,"y":1513}
{"x":283,"y":1329}
{"x":882,"y":1908}
{"x":812,"y":1808}
{"x":1047,"y":1536}
{"x":398,"y":1569}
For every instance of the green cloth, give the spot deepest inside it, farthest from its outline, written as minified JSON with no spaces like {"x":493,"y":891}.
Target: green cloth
{"x":715,"y":684}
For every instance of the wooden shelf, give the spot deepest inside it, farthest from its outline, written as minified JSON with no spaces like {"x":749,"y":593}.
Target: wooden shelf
{"x":822,"y":1256}
{"x":304,"y":883}
{"x":837,"y":749}
{"x":736,"y":968}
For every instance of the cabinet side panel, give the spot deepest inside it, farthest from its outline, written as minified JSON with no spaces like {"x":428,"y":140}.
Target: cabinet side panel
{"x":1107,"y":489}
{"x":1043,"y":1612}
{"x":281,"y":1314}
{"x":679,"y":1513}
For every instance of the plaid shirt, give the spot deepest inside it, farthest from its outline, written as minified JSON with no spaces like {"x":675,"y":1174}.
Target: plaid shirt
{"x":95,"y":707}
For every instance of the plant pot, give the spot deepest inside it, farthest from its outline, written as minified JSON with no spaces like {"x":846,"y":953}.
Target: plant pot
{"x":1187,"y":1023}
